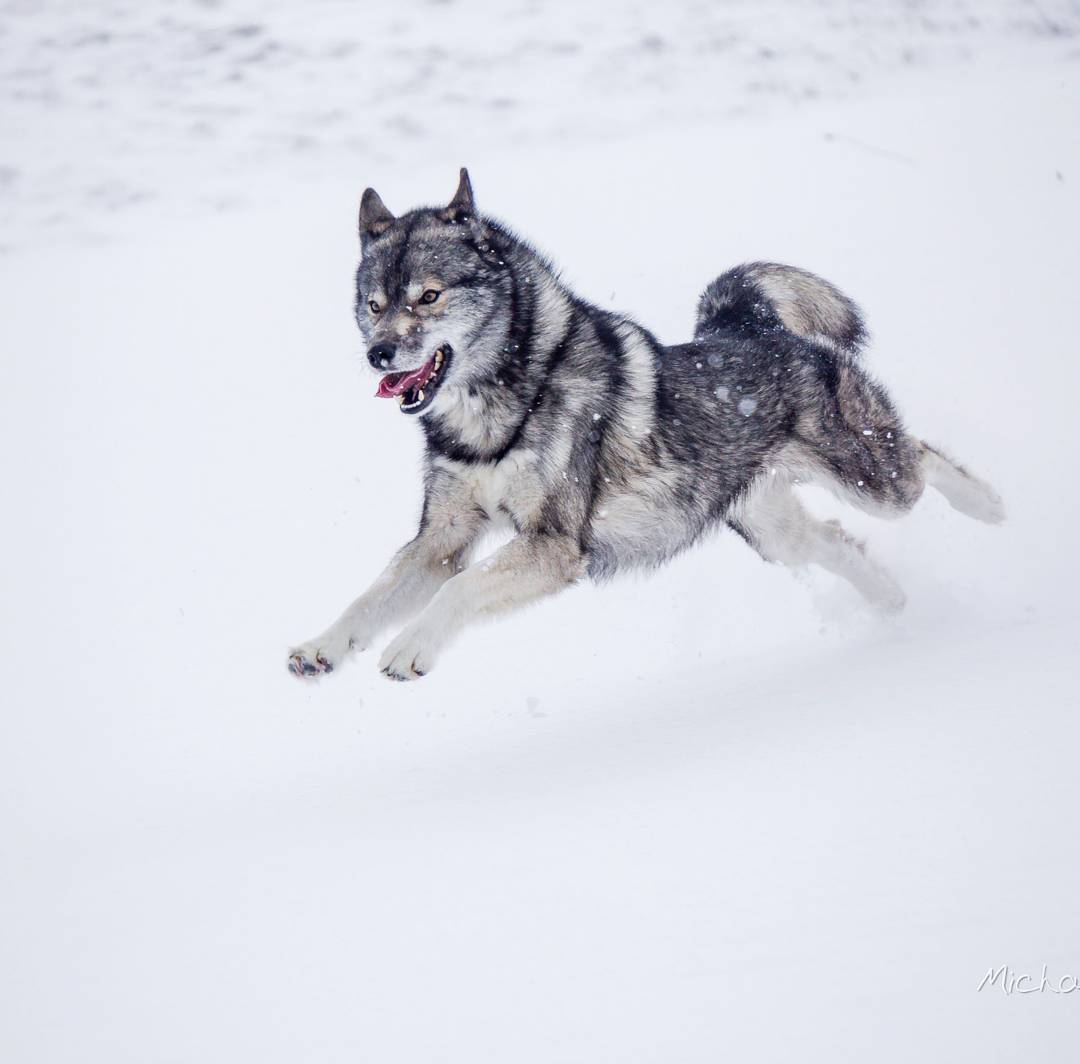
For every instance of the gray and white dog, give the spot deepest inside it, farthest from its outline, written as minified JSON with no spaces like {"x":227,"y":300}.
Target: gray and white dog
{"x":603,"y":448}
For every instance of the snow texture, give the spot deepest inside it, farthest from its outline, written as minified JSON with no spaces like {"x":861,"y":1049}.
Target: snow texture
{"x":719,"y":813}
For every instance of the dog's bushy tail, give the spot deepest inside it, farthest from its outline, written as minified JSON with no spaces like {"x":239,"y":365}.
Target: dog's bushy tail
{"x":761,"y":297}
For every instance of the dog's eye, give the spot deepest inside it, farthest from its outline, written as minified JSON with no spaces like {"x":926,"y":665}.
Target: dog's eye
{"x":429,"y":296}
{"x":373,"y":306}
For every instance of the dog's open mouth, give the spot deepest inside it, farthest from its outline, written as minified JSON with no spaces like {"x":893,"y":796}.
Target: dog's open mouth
{"x":414,"y":389}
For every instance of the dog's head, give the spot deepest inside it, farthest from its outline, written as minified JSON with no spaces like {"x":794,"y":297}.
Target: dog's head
{"x":429,"y":288}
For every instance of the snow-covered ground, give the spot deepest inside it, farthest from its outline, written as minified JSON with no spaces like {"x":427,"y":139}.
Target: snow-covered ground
{"x":717,"y":813}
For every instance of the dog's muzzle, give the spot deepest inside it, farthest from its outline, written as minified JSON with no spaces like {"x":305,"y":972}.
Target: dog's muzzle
{"x":415,"y":389}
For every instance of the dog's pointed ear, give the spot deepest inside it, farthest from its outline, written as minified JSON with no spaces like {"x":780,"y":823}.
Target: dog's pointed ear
{"x":461,"y":210}
{"x":463,"y":206}
{"x":375,"y":219}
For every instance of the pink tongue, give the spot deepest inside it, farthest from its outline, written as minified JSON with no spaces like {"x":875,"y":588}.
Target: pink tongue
{"x":399,"y":383}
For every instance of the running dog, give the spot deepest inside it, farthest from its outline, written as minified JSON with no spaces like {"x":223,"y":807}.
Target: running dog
{"x":603,"y":448}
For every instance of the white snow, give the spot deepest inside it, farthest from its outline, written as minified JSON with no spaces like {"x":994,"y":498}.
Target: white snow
{"x":716,"y":813}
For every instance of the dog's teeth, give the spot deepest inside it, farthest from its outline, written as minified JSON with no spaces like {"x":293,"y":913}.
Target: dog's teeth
{"x":401,"y":401}
{"x":420,"y":398}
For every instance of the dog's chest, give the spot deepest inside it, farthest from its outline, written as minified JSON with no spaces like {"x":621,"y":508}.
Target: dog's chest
{"x":511,"y":487}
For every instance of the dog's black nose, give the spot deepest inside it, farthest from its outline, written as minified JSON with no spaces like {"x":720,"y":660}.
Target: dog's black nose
{"x":381,"y":355}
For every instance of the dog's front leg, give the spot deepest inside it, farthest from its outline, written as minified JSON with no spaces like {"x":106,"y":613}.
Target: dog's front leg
{"x":529,"y":567}
{"x":414,"y":574}
{"x":409,"y":581}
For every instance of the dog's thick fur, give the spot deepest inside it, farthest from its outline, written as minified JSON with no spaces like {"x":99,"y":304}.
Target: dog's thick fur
{"x":605,"y":449}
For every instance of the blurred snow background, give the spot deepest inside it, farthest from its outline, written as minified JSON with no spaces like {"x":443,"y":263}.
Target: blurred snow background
{"x":719,"y":811}
{"x":106,"y":106}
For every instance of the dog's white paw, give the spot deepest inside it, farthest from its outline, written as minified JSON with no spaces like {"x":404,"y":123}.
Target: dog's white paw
{"x":988,"y":506}
{"x":889,"y":597}
{"x":879,"y":588}
{"x":319,"y":656}
{"x":411,"y":655}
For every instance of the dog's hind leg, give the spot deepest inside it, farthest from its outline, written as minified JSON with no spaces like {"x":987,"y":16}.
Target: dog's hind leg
{"x":962,"y":490}
{"x":850,"y":440}
{"x":780,"y":529}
